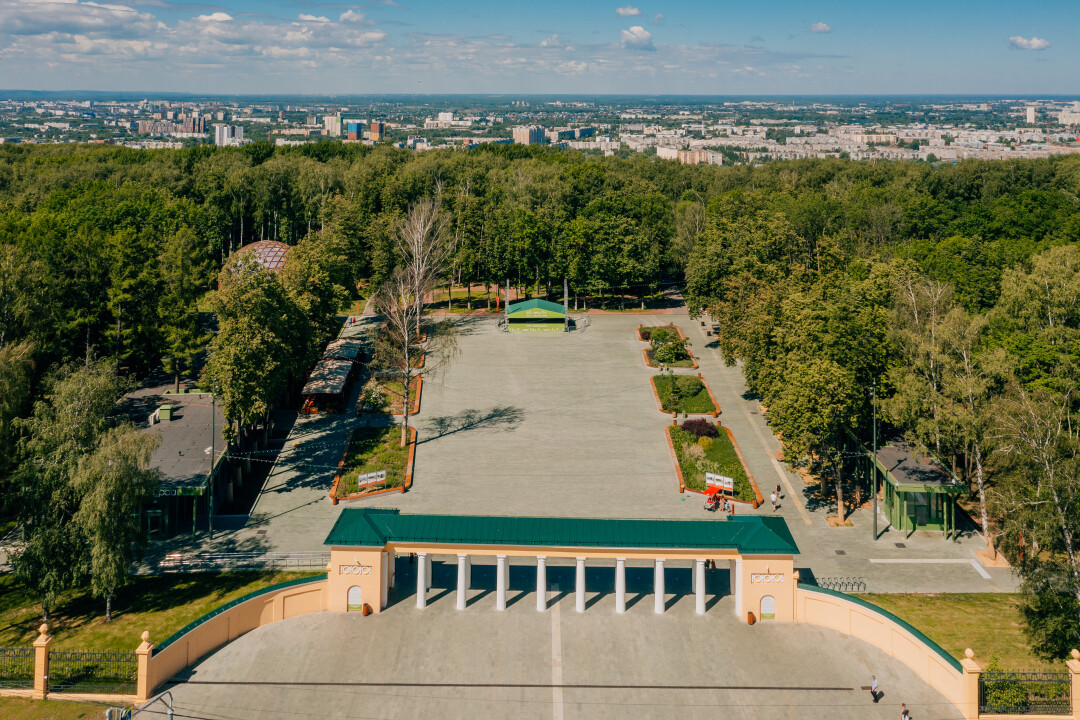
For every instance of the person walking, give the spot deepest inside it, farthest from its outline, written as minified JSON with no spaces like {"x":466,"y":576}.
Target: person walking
{"x":904,"y":714}
{"x":874,"y":687}
{"x":778,"y":493}
{"x":773,"y":499}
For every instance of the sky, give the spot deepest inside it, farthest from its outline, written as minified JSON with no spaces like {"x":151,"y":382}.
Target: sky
{"x":700,"y":47}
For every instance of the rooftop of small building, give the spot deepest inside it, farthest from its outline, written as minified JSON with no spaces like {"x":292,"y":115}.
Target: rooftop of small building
{"x":747,"y":534}
{"x":535,"y":304}
{"x":910,"y":468}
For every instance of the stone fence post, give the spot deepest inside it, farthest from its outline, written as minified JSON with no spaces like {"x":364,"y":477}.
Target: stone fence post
{"x":1073,"y":663}
{"x":969,"y":690}
{"x":41,"y":663}
{"x":144,"y":652}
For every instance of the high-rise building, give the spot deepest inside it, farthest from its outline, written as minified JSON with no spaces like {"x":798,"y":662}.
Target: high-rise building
{"x":332,"y":125}
{"x":378,"y":131}
{"x":530,"y":135}
{"x":1031,"y":115}
{"x":228,"y":135}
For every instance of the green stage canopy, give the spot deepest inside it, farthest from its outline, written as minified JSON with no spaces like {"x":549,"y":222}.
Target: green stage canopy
{"x":535,"y":316}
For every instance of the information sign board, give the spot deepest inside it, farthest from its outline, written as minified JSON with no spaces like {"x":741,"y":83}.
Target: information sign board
{"x":373,"y":478}
{"x":722,"y":481}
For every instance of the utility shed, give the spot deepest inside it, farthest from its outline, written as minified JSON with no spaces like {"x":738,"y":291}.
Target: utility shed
{"x":919,"y":493}
{"x":343,"y":349}
{"x":326,"y":386}
{"x":535,"y":316}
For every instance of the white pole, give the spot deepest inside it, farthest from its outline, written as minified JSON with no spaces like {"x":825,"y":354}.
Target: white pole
{"x":462,"y":573}
{"x":736,"y":586}
{"x":699,"y":581}
{"x":428,"y":574}
{"x":421,"y":581}
{"x":620,"y":585}
{"x":658,"y":587}
{"x":500,"y":583}
{"x":541,"y":583}
{"x":579,"y":585}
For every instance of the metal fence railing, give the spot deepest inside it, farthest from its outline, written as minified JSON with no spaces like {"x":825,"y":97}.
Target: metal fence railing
{"x":16,"y":668}
{"x":842,"y":584}
{"x":93,"y":672}
{"x":188,"y":562}
{"x":1025,"y":693}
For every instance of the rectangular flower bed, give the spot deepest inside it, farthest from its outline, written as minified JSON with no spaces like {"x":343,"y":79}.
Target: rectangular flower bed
{"x":703,"y":447}
{"x":387,"y":396}
{"x":668,"y":347}
{"x":370,"y":450}
{"x":684,"y":394}
{"x":645,"y":333}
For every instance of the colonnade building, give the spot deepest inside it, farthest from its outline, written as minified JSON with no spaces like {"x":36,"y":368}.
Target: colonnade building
{"x":364,"y":543}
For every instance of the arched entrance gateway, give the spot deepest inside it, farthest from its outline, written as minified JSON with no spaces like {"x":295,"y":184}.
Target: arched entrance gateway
{"x":758,"y":549}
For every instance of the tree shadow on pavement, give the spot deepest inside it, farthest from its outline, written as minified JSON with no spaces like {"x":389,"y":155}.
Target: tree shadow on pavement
{"x":504,"y":419}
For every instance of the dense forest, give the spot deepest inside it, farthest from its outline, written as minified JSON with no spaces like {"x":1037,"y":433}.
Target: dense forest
{"x":946,"y":294}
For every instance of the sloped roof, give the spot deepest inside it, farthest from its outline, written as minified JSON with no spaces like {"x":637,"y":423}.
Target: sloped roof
{"x":328,"y":377}
{"x":749,"y":534}
{"x":343,"y":349}
{"x":535,"y":304}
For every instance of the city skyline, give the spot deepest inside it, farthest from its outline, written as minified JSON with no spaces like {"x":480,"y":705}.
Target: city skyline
{"x":294,"y":47}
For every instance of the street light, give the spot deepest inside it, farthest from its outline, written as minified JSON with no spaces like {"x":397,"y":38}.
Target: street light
{"x":873,"y":460}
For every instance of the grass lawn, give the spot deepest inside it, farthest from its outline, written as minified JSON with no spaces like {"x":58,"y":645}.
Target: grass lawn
{"x":699,"y":402}
{"x":161,"y":604}
{"x":988,"y":623}
{"x":719,"y":457}
{"x":20,"y":709}
{"x":371,"y":450}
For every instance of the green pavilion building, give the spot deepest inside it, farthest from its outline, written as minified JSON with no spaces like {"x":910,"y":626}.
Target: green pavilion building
{"x":535,"y":316}
{"x":919,"y":492}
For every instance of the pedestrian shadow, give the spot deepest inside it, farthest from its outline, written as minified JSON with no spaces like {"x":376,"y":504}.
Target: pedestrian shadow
{"x":500,"y":418}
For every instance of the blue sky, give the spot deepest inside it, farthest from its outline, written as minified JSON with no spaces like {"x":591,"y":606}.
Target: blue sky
{"x":554,"y":46}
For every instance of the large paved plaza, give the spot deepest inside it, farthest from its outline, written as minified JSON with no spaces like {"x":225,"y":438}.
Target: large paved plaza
{"x":479,"y":663}
{"x":567,"y":425}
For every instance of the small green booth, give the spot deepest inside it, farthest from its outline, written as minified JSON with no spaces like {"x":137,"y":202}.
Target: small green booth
{"x":919,"y":493}
{"x":534,"y":316}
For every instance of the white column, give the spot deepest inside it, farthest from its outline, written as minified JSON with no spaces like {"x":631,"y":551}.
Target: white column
{"x":462,"y":579}
{"x":658,"y":587}
{"x":736,"y":586}
{"x":620,"y":585}
{"x":699,"y":585}
{"x":541,"y":583}
{"x":693,"y":579}
{"x":500,"y":583}
{"x":468,"y":572}
{"x":421,"y":580}
{"x":384,"y":581}
{"x":579,"y":585}
{"x":428,"y":575}
{"x":391,"y":560}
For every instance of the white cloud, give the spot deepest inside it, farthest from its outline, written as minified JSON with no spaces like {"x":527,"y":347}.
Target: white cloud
{"x":351,"y":16}
{"x":658,"y":19}
{"x":1032,"y":43}
{"x":628,"y":11}
{"x":637,"y":38}
{"x":572,"y":67}
{"x":313,"y":18}
{"x":552,"y":41}
{"x":214,"y":17}
{"x":820,"y":27}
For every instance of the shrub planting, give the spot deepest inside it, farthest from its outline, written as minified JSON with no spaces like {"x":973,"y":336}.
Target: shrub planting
{"x":701,"y":428}
{"x":683,"y":394}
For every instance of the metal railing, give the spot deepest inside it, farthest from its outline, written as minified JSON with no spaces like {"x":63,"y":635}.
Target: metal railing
{"x":842,"y":584}
{"x":16,"y":668}
{"x":93,"y":672}
{"x":1025,"y":693}
{"x":189,"y":562}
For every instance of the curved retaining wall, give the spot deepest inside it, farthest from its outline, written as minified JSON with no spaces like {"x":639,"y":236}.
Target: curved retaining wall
{"x":866,"y":621}
{"x":226,"y":623}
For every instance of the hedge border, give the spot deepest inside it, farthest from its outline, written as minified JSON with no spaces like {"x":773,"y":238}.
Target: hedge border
{"x":334,"y":499}
{"x":683,"y":487}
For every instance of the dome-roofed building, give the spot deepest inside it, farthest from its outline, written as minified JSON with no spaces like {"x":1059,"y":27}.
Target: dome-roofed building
{"x":270,"y":254}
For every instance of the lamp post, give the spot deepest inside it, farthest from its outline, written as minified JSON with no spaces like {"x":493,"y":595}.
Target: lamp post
{"x":213,"y":431}
{"x":873,"y":460}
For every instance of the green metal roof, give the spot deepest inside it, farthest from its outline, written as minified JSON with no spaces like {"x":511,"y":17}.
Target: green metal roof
{"x":535,"y":308}
{"x":748,"y":534}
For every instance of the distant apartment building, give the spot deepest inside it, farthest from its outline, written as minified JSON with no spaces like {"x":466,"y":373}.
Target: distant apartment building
{"x":228,"y":135}
{"x":1070,"y":116}
{"x":378,"y":131}
{"x":332,"y":125}
{"x":690,"y":157}
{"x":530,"y":135}
{"x":1030,"y":115}
{"x":354,"y":130}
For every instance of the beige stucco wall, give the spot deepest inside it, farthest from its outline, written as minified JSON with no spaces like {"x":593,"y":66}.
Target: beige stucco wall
{"x":863,"y":623}
{"x":755,"y":570}
{"x":229,"y":625}
{"x":338,"y":582}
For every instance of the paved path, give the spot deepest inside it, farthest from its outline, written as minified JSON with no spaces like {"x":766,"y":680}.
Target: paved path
{"x":560,"y":665}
